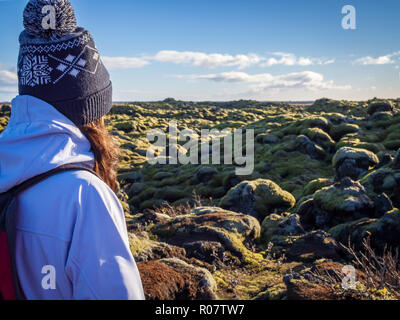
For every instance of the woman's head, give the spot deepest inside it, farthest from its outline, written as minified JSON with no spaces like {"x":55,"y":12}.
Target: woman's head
{"x":71,"y":76}
{"x":105,"y":151}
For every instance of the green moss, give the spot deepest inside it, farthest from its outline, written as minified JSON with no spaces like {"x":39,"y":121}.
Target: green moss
{"x":382,"y":232}
{"x":342,"y":232}
{"x":235,"y":244}
{"x":138,"y":245}
{"x":151,"y":204}
{"x":126,"y":126}
{"x":171,"y":194}
{"x":269,"y":225}
{"x":315,"y":185}
{"x":392,"y":144}
{"x":354,"y":153}
{"x":333,"y":199}
{"x":354,"y":142}
{"x":338,"y":131}
{"x":380,"y":106}
{"x":209,"y":191}
{"x":276,"y":292}
{"x":268,"y":196}
{"x":319,"y":136}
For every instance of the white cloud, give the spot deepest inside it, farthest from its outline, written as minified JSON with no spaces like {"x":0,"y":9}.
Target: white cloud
{"x":213,"y":60}
{"x":124,"y":62}
{"x":386,"y":59}
{"x":207,"y":60}
{"x":8,"y":77}
{"x":8,"y":81}
{"x":8,"y":89}
{"x":260,"y":82}
{"x":289,"y":59}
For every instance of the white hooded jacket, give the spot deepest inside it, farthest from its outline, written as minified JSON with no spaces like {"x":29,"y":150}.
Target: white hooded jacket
{"x":72,"y":241}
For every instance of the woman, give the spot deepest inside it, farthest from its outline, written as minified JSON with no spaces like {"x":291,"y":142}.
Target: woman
{"x":71,"y":240}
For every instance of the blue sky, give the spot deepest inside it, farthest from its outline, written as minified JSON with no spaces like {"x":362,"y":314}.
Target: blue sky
{"x":224,"y":50}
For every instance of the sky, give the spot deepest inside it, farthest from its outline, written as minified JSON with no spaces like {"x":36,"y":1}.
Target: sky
{"x":227,"y":50}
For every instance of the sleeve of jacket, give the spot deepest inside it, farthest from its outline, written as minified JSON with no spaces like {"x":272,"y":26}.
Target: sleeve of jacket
{"x":100,"y":264}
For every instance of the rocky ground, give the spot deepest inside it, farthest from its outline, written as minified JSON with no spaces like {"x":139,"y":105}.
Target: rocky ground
{"x":325,"y":174}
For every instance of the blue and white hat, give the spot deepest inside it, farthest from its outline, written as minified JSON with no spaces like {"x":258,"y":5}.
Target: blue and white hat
{"x":60,"y":64}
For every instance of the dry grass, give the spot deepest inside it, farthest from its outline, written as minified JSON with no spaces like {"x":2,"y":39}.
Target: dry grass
{"x":181,"y":209}
{"x":382,"y":271}
{"x":378,"y":275}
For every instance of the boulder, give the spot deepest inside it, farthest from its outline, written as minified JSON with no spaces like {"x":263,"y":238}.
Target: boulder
{"x":344,"y":201}
{"x":321,"y":282}
{"x":385,"y":160}
{"x":380,"y":106}
{"x":396,"y":161}
{"x":5,"y":108}
{"x":353,"y":162}
{"x":267,"y":138}
{"x":313,"y":246}
{"x":320,"y":137}
{"x":145,"y":249}
{"x":205,"y":174}
{"x":132,"y":177}
{"x":384,"y":180}
{"x":306,"y":146}
{"x":257,"y":198}
{"x":339,"y":131}
{"x":231,"y":229}
{"x":211,"y":252}
{"x":275,"y":226}
{"x":136,"y":188}
{"x":174,"y":279}
{"x":381,"y":116}
{"x":316,"y":185}
{"x":382,"y":232}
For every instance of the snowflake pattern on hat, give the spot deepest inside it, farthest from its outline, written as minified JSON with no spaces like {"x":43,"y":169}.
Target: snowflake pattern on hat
{"x":35,"y":70}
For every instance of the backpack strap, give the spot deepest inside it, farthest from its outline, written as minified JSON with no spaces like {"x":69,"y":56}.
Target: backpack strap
{"x":34,"y":180}
{"x":10,"y":215}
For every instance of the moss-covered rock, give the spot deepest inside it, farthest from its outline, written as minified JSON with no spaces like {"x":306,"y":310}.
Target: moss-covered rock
{"x":392,"y":137}
{"x":320,"y":137}
{"x":343,"y":201}
{"x":229,"y":228}
{"x":313,"y":246}
{"x":205,"y":174}
{"x":382,"y":232}
{"x":174,"y":279}
{"x":146,"y":249}
{"x":275,"y":227}
{"x":384,"y":180}
{"x":126,"y":126}
{"x":379,"y":106}
{"x":315,"y":185}
{"x":353,"y":162}
{"x":338,"y":131}
{"x":258,"y":198}
{"x":303,"y":144}
{"x":267,"y":138}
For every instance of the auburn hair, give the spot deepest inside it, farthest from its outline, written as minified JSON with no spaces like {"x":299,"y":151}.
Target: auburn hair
{"x":105,"y":151}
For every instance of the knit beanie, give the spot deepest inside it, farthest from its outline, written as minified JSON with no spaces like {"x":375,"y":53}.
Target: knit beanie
{"x":59,"y":63}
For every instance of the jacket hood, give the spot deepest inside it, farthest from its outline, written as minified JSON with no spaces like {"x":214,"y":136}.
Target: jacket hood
{"x":38,"y":138}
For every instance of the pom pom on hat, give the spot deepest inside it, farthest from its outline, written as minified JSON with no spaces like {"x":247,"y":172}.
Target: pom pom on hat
{"x":65,"y":21}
